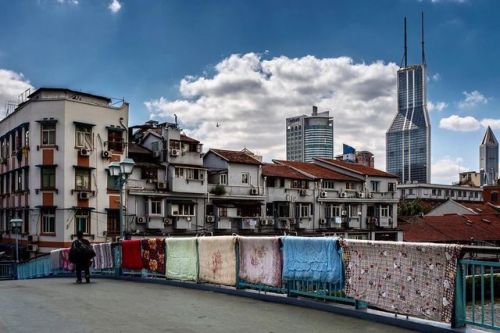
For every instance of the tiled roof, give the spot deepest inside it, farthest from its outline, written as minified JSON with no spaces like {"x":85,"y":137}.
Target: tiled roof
{"x":480,"y":207}
{"x":283,"y":171}
{"x":316,"y":171}
{"x":235,"y":156}
{"x":134,"y":148}
{"x":358,"y":168}
{"x":452,"y":228}
{"x":188,"y":139}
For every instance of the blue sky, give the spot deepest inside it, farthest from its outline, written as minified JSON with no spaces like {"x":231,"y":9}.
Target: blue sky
{"x":230,"y":62}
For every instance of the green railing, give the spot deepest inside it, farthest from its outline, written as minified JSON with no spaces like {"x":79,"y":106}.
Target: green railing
{"x":476,"y":302}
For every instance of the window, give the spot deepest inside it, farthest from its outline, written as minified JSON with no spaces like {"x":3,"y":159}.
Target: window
{"x":433,"y":191}
{"x":113,"y":183}
{"x":349,"y":186}
{"x":375,"y":186}
{"x":299,"y":184}
{"x":223,"y":179}
{"x":27,"y":138}
{"x":195,"y":174}
{"x":156,"y":206}
{"x":48,"y":220}
{"x":270,"y":181}
{"x":186,"y":209}
{"x":174,"y":144}
{"x":494,"y":196}
{"x":149,"y":173}
{"x":282,"y":182}
{"x":391,"y":187}
{"x":155,"y":146}
{"x":384,"y":211}
{"x":82,"y":219}
{"x":113,"y":222}
{"x":302,"y":210}
{"x":332,"y":211}
{"x":353,"y":210}
{"x":83,"y":136}
{"x":328,"y":184}
{"x":222,"y":211}
{"x":19,"y":175}
{"x":48,"y":134}
{"x":283,"y":210}
{"x":245,"y":178}
{"x":82,"y":179}
{"x":115,"y":141}
{"x":26,"y":179}
{"x":48,"y":178}
{"x":179,"y":172}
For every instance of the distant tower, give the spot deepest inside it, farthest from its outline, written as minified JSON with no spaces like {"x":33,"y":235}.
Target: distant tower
{"x":408,"y":140}
{"x":309,"y":136}
{"x":488,"y":158}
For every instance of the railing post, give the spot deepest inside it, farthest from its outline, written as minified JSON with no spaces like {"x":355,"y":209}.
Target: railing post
{"x":459,"y":311}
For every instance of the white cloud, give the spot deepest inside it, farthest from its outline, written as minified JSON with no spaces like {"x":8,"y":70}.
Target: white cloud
{"x":115,"y":6}
{"x":250,"y":97}
{"x":436,"y":77}
{"x":71,"y":2}
{"x":493,"y":123}
{"x":438,"y":106}
{"x":460,"y":124}
{"x":446,"y":170}
{"x":11,"y":85}
{"x":472,"y":99}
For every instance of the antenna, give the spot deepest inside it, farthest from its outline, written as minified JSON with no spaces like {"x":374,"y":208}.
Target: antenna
{"x":423,"y":49}
{"x":405,"y":54}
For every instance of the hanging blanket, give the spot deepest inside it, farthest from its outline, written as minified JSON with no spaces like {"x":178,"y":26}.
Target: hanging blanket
{"x":182,"y":259}
{"x":416,"y":279}
{"x":217,"y":257}
{"x":131,"y":254}
{"x":117,"y":255}
{"x":260,"y":260}
{"x":153,"y":255}
{"x":312,"y":259}
{"x":103,"y":256}
{"x":97,"y":259}
{"x":55,"y":259}
{"x":64,"y":259}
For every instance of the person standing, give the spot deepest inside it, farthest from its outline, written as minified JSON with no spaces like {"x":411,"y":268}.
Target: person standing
{"x":81,"y":254}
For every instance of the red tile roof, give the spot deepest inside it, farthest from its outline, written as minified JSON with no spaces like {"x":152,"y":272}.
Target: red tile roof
{"x":283,"y":171}
{"x":358,"y":168}
{"x":235,"y":156}
{"x":480,"y":207}
{"x":186,"y":138}
{"x":452,"y":228}
{"x":316,"y":171}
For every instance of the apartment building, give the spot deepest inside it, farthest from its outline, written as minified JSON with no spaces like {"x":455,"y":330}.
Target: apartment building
{"x":55,"y":148}
{"x":440,"y":192}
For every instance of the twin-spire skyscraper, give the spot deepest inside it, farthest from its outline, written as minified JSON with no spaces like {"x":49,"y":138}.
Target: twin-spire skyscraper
{"x":408,"y":139}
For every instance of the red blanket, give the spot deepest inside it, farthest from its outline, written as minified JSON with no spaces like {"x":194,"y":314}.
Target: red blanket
{"x":131,"y":254}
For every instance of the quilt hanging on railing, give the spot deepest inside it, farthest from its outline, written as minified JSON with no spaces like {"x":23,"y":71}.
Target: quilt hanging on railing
{"x":217,"y":256}
{"x":260,"y":260}
{"x":131,"y":254}
{"x":182,"y":259}
{"x":153,"y":255}
{"x":312,"y":259}
{"x":416,"y":279}
{"x":103,"y":256}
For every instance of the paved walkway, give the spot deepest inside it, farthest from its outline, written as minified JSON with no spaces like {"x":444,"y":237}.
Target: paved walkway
{"x":60,"y":305}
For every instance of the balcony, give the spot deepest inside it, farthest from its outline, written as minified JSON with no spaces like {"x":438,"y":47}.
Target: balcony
{"x":246,"y":192}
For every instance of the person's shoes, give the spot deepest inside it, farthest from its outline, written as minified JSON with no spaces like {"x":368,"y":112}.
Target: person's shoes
{"x":78,"y":281}
{"x":87,"y":279}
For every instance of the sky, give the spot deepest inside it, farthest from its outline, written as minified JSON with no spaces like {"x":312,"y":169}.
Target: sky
{"x":247,"y":65}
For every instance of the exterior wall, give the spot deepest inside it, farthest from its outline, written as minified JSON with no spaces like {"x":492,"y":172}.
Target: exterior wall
{"x":440,"y":192}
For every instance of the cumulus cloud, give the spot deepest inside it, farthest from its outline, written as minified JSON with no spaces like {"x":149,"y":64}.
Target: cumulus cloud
{"x":115,"y":6}
{"x":472,"y":99}
{"x":438,"y":106}
{"x":250,"y":97}
{"x":493,"y":123}
{"x":446,"y":170}
{"x":11,"y":85}
{"x":460,"y":124}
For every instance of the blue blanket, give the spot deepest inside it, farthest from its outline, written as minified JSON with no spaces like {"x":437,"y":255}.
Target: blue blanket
{"x":312,"y":259}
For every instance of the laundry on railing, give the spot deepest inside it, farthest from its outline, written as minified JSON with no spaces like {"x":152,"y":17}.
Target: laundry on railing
{"x":416,"y":279}
{"x":117,"y":254}
{"x":153,"y":255}
{"x":182,"y":259}
{"x":131,"y":254}
{"x":260,"y":260}
{"x":64,"y":260}
{"x":312,"y":259}
{"x":217,"y":259}
{"x":55,"y":259}
{"x":103,"y":256}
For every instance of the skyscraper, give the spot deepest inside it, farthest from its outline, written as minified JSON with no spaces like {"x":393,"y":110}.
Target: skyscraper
{"x":408,"y":139}
{"x":488,"y":158}
{"x":309,"y":136}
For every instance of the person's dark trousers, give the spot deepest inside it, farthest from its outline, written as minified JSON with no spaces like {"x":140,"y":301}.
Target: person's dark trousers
{"x":82,"y":267}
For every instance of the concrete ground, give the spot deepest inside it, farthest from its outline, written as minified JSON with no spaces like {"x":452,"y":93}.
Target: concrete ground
{"x":60,"y":305}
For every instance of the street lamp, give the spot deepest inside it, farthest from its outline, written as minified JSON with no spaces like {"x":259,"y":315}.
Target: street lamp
{"x":15,"y":225}
{"x":122,"y":171}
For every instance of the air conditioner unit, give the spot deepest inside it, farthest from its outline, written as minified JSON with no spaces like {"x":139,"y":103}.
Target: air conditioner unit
{"x":150,"y":181}
{"x":370,"y":195}
{"x":174,"y":152}
{"x":162,"y":185}
{"x":343,"y":195}
{"x":322,"y":221}
{"x":323,"y":194}
{"x":106,"y":154}
{"x":84,"y":152}
{"x":33,"y":238}
{"x":32,"y":248}
{"x":268,"y":222}
{"x":344,"y":213}
{"x":83,"y":195}
{"x":361,"y":194}
{"x":189,"y":218}
{"x":210,"y":219}
{"x":303,"y":192}
{"x":140,"y":220}
{"x":254,"y":191}
{"x":167,"y":221}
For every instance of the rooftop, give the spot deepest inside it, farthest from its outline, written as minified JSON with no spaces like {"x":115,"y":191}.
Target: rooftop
{"x":282,"y":171}
{"x":316,"y":171}
{"x":233,"y":156}
{"x":357,"y":168}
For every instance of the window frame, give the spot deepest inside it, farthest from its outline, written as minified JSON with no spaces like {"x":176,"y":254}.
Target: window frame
{"x":51,"y":180}
{"x":155,"y":204}
{"x":85,"y":132}
{"x":245,"y":178}
{"x":83,"y":215}
{"x":48,"y":134}
{"x":48,"y":218}
{"x":79,"y":172}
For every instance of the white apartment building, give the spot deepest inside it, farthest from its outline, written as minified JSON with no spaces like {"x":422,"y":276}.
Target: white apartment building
{"x":55,"y":150}
{"x":440,"y":192}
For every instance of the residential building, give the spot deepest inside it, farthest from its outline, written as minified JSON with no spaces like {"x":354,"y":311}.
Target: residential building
{"x":55,"y":150}
{"x":408,"y":139}
{"x":440,"y":192}
{"x":365,"y":158}
{"x":309,"y":136}
{"x":488,"y":158}
{"x":469,"y":178}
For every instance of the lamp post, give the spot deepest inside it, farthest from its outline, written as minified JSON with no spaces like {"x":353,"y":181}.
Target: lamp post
{"x":15,"y":225}
{"x":122,"y":171}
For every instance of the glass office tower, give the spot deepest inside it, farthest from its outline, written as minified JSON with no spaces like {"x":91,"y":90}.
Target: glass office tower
{"x":408,"y":140}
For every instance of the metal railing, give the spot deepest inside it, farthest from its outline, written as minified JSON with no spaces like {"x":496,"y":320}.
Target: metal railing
{"x":7,"y":270}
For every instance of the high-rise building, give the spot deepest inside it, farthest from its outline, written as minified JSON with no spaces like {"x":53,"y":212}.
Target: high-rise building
{"x":488,"y":158}
{"x":408,"y":139}
{"x":309,"y":136}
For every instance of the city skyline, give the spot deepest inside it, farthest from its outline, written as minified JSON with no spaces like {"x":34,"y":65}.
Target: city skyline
{"x":248,"y":81}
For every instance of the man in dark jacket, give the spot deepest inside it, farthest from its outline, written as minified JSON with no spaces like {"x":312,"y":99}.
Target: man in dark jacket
{"x":81,"y":254}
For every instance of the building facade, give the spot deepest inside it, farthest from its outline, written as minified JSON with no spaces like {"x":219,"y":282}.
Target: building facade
{"x":55,"y":150}
{"x":440,"y":192}
{"x":488,"y":158}
{"x":308,"y":137}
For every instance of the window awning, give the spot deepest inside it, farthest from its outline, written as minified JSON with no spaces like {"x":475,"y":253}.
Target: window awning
{"x":79,"y":123}
{"x":83,"y":167}
{"x":115,"y":128}
{"x":47,"y":121}
{"x":46,"y":165}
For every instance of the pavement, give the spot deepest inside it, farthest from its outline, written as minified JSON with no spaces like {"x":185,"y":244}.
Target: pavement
{"x":60,"y":305}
